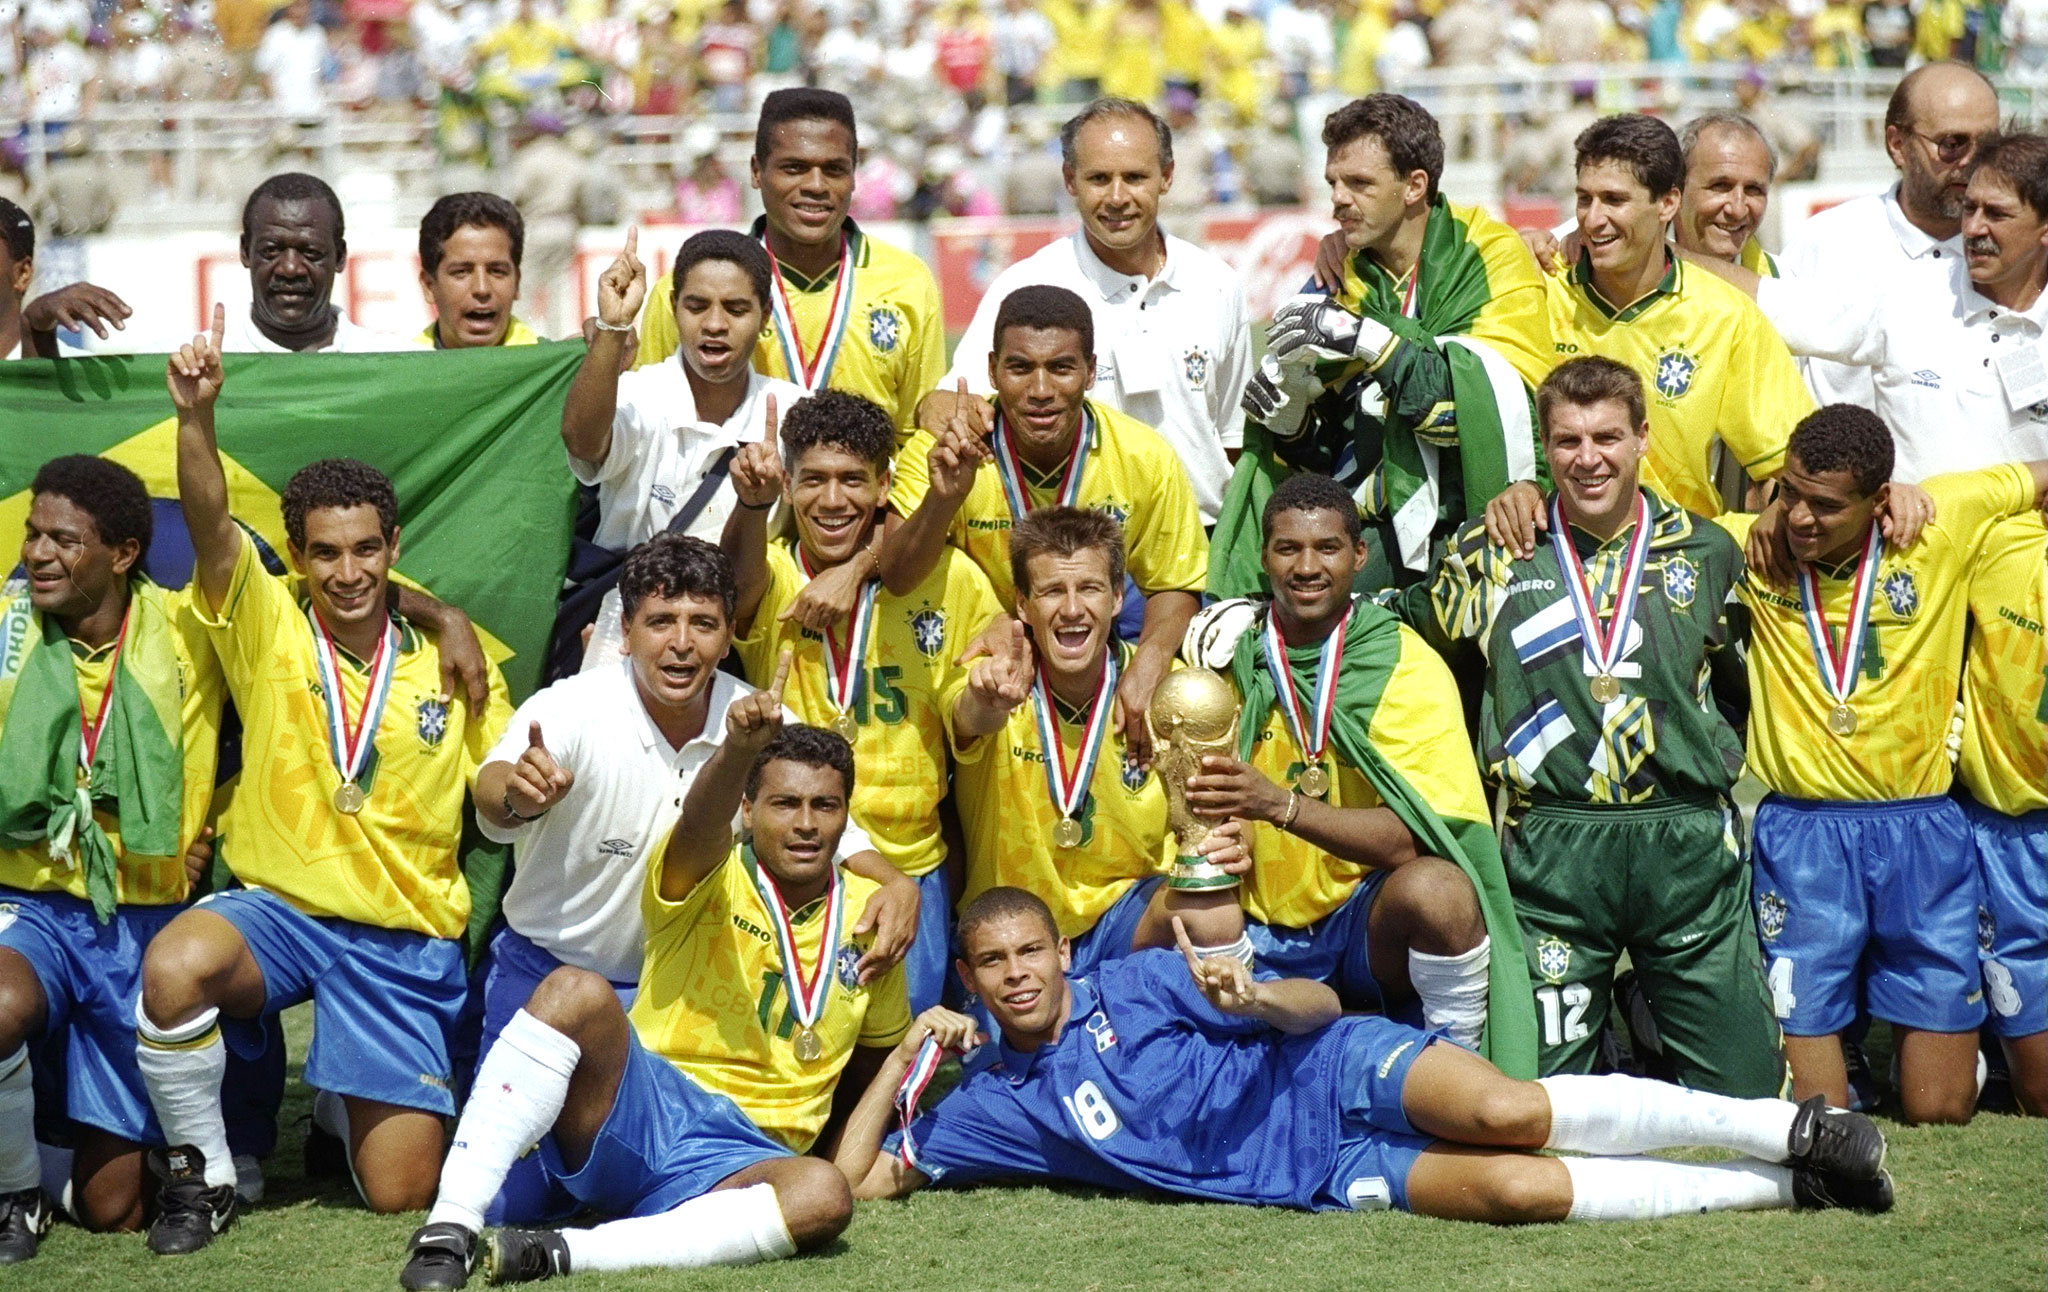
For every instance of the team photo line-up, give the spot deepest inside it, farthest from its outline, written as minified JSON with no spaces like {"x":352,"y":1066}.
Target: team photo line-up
{"x":1311,"y":732}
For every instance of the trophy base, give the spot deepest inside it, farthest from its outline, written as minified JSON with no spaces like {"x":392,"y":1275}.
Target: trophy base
{"x":1193,"y":874}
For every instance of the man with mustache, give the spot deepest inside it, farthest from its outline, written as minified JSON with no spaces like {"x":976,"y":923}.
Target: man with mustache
{"x":293,"y":246}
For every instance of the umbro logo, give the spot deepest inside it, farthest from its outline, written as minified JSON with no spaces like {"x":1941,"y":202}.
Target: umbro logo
{"x":1927,"y":377}
{"x":616,"y":848}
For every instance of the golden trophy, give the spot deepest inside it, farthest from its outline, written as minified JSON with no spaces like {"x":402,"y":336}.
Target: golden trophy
{"x":1193,"y":714}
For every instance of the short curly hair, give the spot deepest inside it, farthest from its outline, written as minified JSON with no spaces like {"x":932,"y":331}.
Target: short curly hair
{"x":1844,"y":437}
{"x":1045,"y":307}
{"x":811,"y":746}
{"x":1411,"y":136}
{"x":728,"y":245}
{"x":1002,"y":903}
{"x":1311,"y":492}
{"x":293,"y":186}
{"x":103,"y":489}
{"x":677,"y":565}
{"x":842,"y":421}
{"x":339,"y":483}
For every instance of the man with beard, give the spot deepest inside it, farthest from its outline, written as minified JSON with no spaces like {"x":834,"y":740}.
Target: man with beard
{"x":293,"y":246}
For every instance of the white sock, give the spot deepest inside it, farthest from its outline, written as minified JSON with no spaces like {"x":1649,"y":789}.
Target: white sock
{"x":183,"y":1067}
{"x":57,"y":1164}
{"x":20,"y":1165}
{"x":330,"y":1114}
{"x":1241,"y":950}
{"x":729,"y":1227}
{"x":1614,"y":1115}
{"x":1453,"y":991}
{"x":519,"y":1091}
{"x":1650,"y":1188}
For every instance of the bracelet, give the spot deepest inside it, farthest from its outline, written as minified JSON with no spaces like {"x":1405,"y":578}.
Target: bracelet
{"x":514,"y":812}
{"x":1286,"y":822}
{"x":603,"y":326}
{"x":755,"y":506}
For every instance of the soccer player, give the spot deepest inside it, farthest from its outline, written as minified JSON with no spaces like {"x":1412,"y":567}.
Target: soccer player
{"x":1053,"y":446}
{"x":293,"y":246}
{"x":1359,"y":385}
{"x":1192,"y":1076}
{"x":344,"y":829}
{"x":469,"y":272}
{"x":1050,"y":801}
{"x":2003,"y":773}
{"x":28,"y":328}
{"x":658,"y":441}
{"x":1866,"y":883}
{"x":109,"y":721}
{"x":1173,"y":348}
{"x":887,"y":675}
{"x":692,"y":1117}
{"x":1712,"y":365}
{"x":849,"y":312}
{"x":1374,"y":866}
{"x":1598,"y":719}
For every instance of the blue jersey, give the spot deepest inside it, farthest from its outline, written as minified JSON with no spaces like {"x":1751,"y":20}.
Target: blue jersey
{"x":1148,"y":1086}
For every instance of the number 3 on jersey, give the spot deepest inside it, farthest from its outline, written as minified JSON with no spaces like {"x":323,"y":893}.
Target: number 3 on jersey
{"x":1092,"y":1111}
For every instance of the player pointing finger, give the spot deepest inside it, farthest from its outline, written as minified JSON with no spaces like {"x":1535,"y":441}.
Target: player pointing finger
{"x":537,"y":781}
{"x":757,"y":474}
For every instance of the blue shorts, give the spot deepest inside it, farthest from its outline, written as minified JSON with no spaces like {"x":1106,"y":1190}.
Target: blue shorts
{"x":1110,"y":939}
{"x":929,"y":962}
{"x":1877,"y":897}
{"x":666,"y":1140}
{"x":1379,"y":1145}
{"x":1332,"y":950}
{"x":385,"y":1001}
{"x":2012,"y":927}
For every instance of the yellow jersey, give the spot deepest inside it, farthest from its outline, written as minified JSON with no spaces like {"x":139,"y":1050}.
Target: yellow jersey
{"x":142,"y":880}
{"x":894,"y":348}
{"x":713,"y":1002}
{"x":2004,"y":759}
{"x":395,"y":864}
{"x":1417,"y":729}
{"x":516,"y":333}
{"x":1131,"y":473}
{"x":904,"y":708}
{"x":1007,"y":814}
{"x":1912,"y":658}
{"x":1712,"y":368}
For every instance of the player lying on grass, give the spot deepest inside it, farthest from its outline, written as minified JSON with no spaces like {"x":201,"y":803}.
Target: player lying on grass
{"x":1187,"y":1075}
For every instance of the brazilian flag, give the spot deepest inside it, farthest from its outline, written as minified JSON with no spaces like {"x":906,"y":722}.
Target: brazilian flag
{"x":471,"y":440}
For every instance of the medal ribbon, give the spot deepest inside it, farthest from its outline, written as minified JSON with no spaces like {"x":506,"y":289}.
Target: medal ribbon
{"x":812,"y":373}
{"x":911,"y":1089}
{"x":89,"y":732}
{"x":1603,"y":646}
{"x":1327,"y":664}
{"x":1068,"y":790}
{"x":351,"y":745}
{"x":1010,"y":468}
{"x":844,"y":669}
{"x":807,"y":995}
{"x":1838,"y":673}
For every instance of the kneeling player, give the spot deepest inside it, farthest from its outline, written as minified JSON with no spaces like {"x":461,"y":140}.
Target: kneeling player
{"x":1274,"y":1097}
{"x":689,"y":1117}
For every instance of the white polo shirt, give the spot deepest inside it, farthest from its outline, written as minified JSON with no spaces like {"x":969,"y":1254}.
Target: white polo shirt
{"x":244,"y":337}
{"x":1865,"y":240}
{"x":1174,"y":352}
{"x":580,"y":868}
{"x":1934,"y":360}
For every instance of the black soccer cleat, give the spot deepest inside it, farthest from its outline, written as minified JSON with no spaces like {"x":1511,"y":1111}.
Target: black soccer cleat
{"x":1814,"y":1190}
{"x":1835,"y":1140}
{"x":524,"y":1256}
{"x":24,"y":1219}
{"x":439,"y":1257}
{"x":189,"y":1212}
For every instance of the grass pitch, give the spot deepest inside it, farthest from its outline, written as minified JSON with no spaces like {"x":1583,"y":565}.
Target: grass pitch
{"x":1970,"y":1217}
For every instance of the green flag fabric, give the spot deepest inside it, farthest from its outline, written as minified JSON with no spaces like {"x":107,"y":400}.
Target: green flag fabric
{"x":1372,"y":649}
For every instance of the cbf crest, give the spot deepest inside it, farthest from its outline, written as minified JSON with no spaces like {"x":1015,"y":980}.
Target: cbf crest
{"x":1770,"y":915}
{"x":1554,"y":959}
{"x":1133,"y":777}
{"x":1901,"y":593}
{"x":928,"y":630}
{"x":846,"y":966}
{"x":1194,"y":365}
{"x":885,"y":328}
{"x":1681,"y":580}
{"x":431,"y":721}
{"x":1675,"y":371}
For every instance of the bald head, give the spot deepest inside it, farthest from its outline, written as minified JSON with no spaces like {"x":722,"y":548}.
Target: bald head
{"x":1941,"y":89}
{"x":1936,"y":118}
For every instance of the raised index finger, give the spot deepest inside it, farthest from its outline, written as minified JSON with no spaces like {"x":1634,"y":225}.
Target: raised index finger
{"x":781,"y":674}
{"x":769,"y":421}
{"x":220,"y":325}
{"x":632,"y":239}
{"x":1187,"y":947}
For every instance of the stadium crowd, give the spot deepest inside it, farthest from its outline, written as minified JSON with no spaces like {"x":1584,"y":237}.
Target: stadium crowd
{"x":1253,"y":762}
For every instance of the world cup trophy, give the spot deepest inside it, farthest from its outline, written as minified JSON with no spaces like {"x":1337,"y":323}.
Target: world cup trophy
{"x":1193,"y":714}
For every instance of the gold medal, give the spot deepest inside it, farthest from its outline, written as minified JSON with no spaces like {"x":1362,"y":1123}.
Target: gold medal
{"x":808,"y":1047}
{"x":1842,"y":720}
{"x":1605,"y":689}
{"x":846,"y":727}
{"x":1067,"y":834}
{"x":1313,"y":781}
{"x":348,"y":798}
